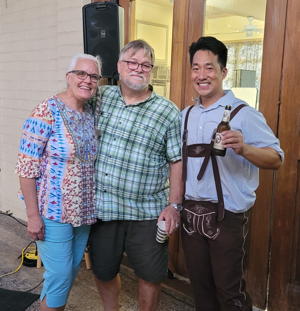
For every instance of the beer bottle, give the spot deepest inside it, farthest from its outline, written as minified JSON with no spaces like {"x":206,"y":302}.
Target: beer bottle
{"x":218,"y":147}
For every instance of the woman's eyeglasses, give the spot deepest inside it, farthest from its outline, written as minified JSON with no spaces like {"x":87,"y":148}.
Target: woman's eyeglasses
{"x":82,"y":75}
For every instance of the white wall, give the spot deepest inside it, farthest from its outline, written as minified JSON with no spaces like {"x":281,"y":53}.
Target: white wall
{"x":37,"y":40}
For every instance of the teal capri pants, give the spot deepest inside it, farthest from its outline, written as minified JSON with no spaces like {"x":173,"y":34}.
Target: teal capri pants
{"x":61,"y":253}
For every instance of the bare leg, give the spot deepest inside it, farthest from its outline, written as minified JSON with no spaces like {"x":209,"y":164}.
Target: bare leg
{"x":148,"y":295}
{"x":44,"y":307}
{"x":109,"y":292}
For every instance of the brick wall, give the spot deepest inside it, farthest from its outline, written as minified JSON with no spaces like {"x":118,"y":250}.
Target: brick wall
{"x":37,"y":40}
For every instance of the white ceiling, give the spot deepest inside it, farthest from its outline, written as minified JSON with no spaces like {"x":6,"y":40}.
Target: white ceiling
{"x":218,"y":8}
{"x":255,"y":8}
{"x":161,"y":2}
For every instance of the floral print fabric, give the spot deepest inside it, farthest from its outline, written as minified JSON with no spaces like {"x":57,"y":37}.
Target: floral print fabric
{"x":58,"y":149}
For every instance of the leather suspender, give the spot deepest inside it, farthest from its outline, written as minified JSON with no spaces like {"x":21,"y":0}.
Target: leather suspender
{"x":206,"y":151}
{"x":184,"y":145}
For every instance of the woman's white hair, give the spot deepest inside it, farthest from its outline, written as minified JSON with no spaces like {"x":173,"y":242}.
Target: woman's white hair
{"x":76,"y":57}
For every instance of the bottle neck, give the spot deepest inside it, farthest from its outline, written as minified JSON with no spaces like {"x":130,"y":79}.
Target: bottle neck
{"x":226,"y":116}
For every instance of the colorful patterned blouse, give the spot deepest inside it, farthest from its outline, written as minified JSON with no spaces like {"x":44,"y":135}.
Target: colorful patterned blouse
{"x":58,"y":149}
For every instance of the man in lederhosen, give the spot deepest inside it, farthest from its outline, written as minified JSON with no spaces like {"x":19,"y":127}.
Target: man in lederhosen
{"x":214,"y":247}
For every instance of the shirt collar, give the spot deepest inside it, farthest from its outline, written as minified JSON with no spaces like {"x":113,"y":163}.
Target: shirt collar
{"x":227,"y":99}
{"x":152,"y":95}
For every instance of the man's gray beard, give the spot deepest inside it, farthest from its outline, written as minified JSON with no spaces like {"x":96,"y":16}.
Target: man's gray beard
{"x":136,"y":87}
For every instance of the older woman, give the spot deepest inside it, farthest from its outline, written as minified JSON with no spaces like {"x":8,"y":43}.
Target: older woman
{"x":56,"y":170}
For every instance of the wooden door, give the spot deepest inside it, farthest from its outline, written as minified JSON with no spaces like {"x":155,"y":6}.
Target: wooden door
{"x":188,"y":18}
{"x":285,"y":245}
{"x":259,"y":238}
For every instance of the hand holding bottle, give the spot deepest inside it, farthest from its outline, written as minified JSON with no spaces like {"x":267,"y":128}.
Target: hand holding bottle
{"x":234,"y":140}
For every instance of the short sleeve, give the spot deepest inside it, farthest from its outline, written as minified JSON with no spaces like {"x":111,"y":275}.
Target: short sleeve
{"x":257,"y":132}
{"x":35,"y":134}
{"x":173,"y":139}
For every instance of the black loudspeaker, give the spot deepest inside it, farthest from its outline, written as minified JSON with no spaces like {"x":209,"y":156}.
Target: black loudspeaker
{"x":103,"y":27}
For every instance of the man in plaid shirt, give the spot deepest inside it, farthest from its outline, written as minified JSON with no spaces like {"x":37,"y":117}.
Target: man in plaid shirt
{"x":138,"y":179}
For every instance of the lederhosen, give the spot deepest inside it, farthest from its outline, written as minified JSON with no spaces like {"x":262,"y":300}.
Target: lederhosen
{"x":202,"y":216}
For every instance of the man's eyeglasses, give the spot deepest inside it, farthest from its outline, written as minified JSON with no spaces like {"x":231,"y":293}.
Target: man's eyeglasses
{"x":135,"y":65}
{"x":82,"y":75}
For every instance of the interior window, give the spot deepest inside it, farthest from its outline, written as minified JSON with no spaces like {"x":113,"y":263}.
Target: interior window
{"x":240,"y":25}
{"x":153,"y":23}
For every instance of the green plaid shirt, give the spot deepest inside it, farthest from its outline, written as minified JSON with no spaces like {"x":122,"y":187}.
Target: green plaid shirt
{"x":136,"y":144}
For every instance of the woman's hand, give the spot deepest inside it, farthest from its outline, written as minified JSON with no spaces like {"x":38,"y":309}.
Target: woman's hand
{"x":35,"y":228}
{"x":35,"y":224}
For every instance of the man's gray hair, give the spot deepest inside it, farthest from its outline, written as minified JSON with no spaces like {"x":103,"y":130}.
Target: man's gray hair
{"x":138,"y":45}
{"x":76,"y":57}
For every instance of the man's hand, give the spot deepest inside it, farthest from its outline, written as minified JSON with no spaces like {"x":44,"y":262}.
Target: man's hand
{"x":266,"y":157}
{"x":172,"y":218}
{"x":234,"y":140}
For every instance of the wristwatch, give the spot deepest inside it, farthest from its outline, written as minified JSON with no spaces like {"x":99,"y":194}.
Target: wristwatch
{"x":177,"y":206}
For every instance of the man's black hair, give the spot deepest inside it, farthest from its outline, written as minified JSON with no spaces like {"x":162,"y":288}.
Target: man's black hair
{"x":210,"y":44}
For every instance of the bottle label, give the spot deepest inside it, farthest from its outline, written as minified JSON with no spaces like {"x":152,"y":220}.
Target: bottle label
{"x":218,"y":142}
